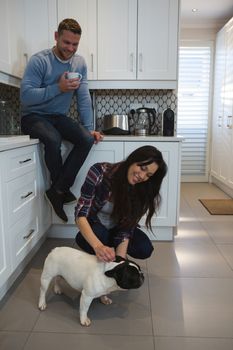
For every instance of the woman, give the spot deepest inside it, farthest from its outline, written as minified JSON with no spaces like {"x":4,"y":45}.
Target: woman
{"x":114,"y":197}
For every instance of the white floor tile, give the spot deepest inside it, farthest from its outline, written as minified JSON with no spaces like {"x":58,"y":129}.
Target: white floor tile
{"x":193,"y":307}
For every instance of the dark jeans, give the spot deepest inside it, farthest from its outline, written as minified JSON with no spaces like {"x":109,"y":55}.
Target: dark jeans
{"x":140,"y":246}
{"x":51,"y":130}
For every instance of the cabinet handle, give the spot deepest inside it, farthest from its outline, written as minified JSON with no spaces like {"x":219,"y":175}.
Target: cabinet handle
{"x":26,"y":57}
{"x":25,"y":161}
{"x":92,"y":63}
{"x":140,"y":62}
{"x":29,"y":234}
{"x":219,"y":121}
{"x":26,"y":195}
{"x":131,"y":62}
{"x":229,"y":122}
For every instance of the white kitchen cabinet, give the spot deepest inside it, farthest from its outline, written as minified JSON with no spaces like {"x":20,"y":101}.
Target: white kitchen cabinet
{"x":43,"y":183}
{"x":27,"y":27}
{"x":228,"y":105}
{"x":157,"y":39}
{"x":138,"y":39}
{"x":117,"y":39}
{"x":12,"y":60}
{"x":164,"y":224}
{"x":5,"y":263}
{"x":22,"y":209}
{"x":222,"y":136}
{"x":21,"y":201}
{"x":40,"y":25}
{"x":218,"y":103}
{"x":84,"y":12}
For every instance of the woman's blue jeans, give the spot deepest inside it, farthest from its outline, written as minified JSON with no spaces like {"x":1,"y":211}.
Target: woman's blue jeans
{"x":51,"y":130}
{"x":140,"y":246}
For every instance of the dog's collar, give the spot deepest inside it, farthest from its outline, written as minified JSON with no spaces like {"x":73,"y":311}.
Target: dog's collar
{"x":119,"y":258}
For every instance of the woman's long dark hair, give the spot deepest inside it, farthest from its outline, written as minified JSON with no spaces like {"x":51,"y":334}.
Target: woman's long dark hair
{"x":132,"y":202}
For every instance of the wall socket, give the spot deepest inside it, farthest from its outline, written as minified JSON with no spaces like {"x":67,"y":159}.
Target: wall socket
{"x":146,"y":105}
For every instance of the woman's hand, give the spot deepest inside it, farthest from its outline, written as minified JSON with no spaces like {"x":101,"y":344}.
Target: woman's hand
{"x":104,"y":253}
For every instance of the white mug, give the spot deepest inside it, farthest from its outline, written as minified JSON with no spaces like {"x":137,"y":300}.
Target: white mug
{"x":73,"y":75}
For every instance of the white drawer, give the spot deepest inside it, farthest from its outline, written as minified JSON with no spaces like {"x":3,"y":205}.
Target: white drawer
{"x":24,"y":235}
{"x":19,"y":161}
{"x":22,"y":197}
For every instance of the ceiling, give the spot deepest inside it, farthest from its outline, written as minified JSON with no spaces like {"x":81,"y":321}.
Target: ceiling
{"x":210,"y":14}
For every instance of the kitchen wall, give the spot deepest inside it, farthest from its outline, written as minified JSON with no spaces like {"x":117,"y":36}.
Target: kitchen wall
{"x":198,"y":34}
{"x":105,"y":102}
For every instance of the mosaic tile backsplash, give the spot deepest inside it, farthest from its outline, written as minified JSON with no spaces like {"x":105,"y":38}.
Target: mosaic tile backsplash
{"x":121,"y":102}
{"x":104,"y":102}
{"x":9,"y":108}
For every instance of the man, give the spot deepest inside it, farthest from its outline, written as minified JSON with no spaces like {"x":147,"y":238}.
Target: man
{"x":46,"y":94}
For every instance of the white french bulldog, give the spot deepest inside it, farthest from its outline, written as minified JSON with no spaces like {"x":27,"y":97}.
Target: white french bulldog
{"x":90,"y":276}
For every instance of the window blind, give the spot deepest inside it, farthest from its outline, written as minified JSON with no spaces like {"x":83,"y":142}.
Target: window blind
{"x":194,"y":110}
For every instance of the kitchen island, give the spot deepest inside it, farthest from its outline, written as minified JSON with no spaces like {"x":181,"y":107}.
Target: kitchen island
{"x":115,"y":148}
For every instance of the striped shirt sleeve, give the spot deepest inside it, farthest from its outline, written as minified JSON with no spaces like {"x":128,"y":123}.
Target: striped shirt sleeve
{"x":85,"y":201}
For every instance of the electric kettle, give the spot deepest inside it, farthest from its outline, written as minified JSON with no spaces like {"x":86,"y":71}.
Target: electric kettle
{"x":144,"y":120}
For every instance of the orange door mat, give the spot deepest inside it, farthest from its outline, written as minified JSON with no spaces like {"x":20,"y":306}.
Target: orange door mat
{"x":218,"y":206}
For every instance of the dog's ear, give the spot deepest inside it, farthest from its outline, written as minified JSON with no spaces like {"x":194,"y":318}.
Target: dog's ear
{"x":126,"y":276}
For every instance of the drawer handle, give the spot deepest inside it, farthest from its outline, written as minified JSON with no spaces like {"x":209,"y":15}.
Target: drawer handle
{"x":25,"y":161}
{"x":229,"y":122}
{"x":26,"y":195}
{"x":29,"y":234}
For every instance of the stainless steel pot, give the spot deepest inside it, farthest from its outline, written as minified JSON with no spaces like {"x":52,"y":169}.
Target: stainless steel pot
{"x":116,"y":124}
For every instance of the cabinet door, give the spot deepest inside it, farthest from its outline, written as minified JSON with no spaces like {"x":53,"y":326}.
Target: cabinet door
{"x":24,"y":235}
{"x":25,"y":25}
{"x":22,"y":197}
{"x":105,"y":151}
{"x":228,"y":106}
{"x":157,"y":39}
{"x":222,"y":150}
{"x":5,"y":267}
{"x":12,"y":60}
{"x":168,"y":212}
{"x":5,"y":45}
{"x":117,"y":30}
{"x":220,"y":58}
{"x":43,"y":183}
{"x":39,"y":26}
{"x":84,"y":12}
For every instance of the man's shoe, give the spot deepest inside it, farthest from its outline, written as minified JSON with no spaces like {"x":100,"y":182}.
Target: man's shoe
{"x":69,"y":198}
{"x":56,"y":201}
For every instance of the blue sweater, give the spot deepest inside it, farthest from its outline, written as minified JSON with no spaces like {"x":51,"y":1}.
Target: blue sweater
{"x":40,"y":93}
